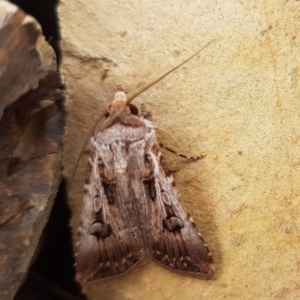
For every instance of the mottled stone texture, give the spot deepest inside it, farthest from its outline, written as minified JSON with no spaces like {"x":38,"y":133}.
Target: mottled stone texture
{"x":238,"y":102}
{"x":31,"y":126}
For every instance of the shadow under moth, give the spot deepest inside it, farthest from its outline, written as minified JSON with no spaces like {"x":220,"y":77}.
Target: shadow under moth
{"x":131,"y":209}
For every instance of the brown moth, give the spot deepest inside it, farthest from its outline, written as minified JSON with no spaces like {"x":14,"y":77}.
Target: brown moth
{"x":131,"y":209}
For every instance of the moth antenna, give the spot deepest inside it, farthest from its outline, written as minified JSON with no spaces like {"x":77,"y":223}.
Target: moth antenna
{"x":143,"y":89}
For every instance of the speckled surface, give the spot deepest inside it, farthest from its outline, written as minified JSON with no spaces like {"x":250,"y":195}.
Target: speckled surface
{"x":237,"y":101}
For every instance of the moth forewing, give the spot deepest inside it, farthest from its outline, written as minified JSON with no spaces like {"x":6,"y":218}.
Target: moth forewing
{"x":131,"y":210}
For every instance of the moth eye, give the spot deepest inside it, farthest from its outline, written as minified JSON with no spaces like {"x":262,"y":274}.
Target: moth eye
{"x":133,"y":109}
{"x":107,"y":114}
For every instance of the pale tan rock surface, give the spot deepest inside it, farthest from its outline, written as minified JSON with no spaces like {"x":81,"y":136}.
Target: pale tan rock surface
{"x":238,"y":101}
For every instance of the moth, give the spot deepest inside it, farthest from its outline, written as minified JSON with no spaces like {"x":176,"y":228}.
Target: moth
{"x":131,"y":209}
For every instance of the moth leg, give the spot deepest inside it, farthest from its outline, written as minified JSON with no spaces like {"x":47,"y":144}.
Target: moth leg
{"x":182,"y":155}
{"x":145,"y":114}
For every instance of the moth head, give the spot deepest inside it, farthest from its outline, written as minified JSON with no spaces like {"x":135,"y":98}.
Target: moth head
{"x":120,"y":104}
{"x":120,"y":97}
